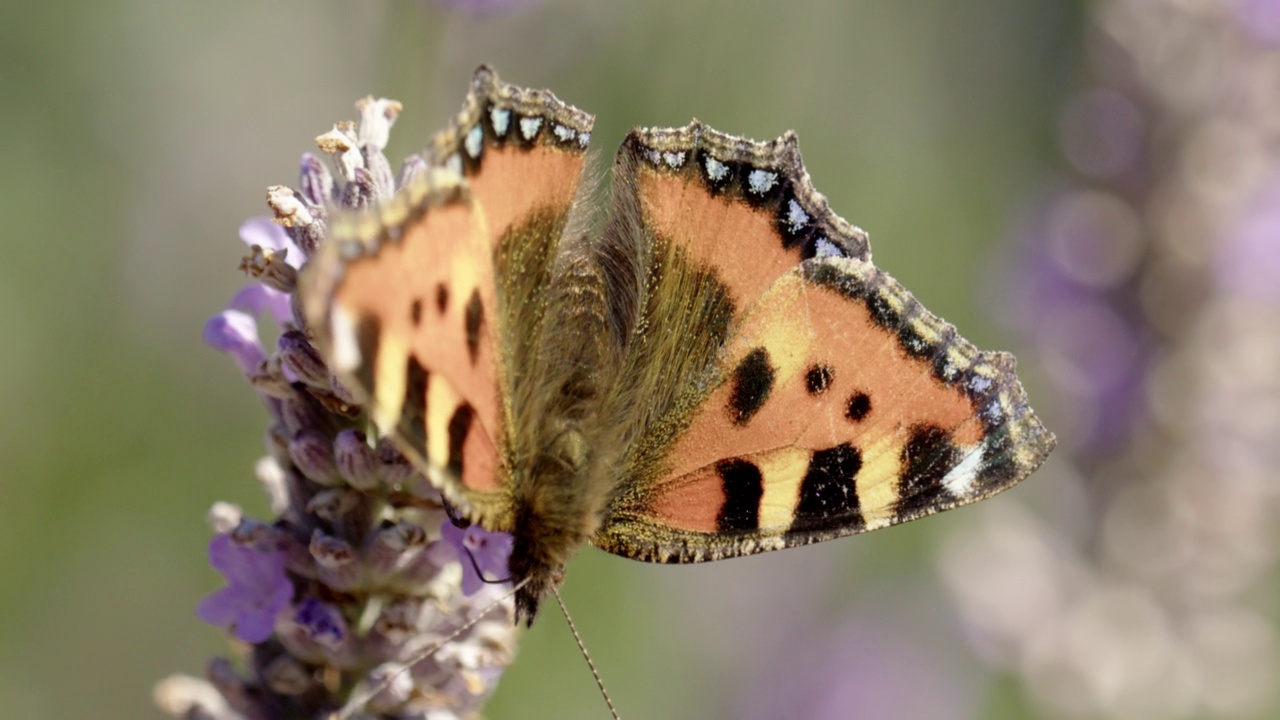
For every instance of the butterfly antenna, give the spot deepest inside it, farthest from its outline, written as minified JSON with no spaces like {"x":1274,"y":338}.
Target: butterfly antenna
{"x":358,"y":701}
{"x":586,"y":656}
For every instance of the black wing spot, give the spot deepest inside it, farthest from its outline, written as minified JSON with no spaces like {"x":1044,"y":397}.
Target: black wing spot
{"x":859,"y":406}
{"x":828,"y":495}
{"x":474,"y":319}
{"x":818,"y":379}
{"x":415,"y":311}
{"x":459,"y":428}
{"x":752,"y":383}
{"x":926,"y":459}
{"x":743,"y":488}
{"x":413,"y":411}
{"x":368,"y":338}
{"x":442,"y":298}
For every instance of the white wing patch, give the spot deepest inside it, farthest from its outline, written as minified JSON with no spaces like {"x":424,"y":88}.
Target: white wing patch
{"x":346,"y":350}
{"x":962,"y":476}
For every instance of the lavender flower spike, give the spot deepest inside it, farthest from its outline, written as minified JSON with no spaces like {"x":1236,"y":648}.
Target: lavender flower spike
{"x":360,"y":573}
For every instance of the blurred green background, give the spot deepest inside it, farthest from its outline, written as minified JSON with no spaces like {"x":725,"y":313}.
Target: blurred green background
{"x":138,"y":136}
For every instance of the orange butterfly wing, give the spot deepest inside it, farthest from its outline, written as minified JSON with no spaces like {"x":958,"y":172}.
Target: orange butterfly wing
{"x":834,"y":402}
{"x":413,"y":303}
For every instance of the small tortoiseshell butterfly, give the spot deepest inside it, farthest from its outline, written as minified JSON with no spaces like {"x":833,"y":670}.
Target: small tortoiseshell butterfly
{"x":719,"y":371}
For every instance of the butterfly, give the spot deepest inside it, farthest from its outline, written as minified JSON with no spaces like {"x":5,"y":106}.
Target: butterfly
{"x":714,"y":370}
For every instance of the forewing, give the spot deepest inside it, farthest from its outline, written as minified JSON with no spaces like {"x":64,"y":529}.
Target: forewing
{"x":833,"y":402}
{"x":401,"y":301}
{"x":523,"y":153}
{"x":426,"y":306}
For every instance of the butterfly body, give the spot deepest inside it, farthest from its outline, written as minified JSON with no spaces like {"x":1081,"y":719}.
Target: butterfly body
{"x":719,"y":371}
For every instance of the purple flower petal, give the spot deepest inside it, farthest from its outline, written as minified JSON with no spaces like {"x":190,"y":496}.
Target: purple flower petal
{"x":236,"y":334}
{"x":860,"y":669}
{"x":219,"y":609}
{"x":255,"y":627}
{"x":258,"y":299}
{"x":257,"y":589}
{"x":1249,"y":261}
{"x":491,"y":550}
{"x":265,"y":233}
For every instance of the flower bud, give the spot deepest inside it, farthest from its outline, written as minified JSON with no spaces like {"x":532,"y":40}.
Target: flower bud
{"x":355,"y":460}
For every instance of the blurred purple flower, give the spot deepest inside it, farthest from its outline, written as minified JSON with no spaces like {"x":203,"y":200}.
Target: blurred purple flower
{"x":859,"y":670}
{"x":1249,"y":257}
{"x":236,"y":333}
{"x":257,"y":589}
{"x":1168,"y":279}
{"x":1260,"y":18}
{"x":1102,"y":133}
{"x":1072,"y":291}
{"x":483,"y":7}
{"x":490,"y":550}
